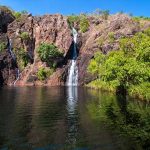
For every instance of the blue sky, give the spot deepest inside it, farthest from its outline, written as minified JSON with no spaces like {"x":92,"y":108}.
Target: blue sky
{"x":66,"y":7}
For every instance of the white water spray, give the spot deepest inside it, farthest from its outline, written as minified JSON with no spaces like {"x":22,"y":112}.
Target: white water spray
{"x":73,"y":71}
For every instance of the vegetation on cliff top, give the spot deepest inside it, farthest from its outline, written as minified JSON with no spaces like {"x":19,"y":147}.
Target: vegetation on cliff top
{"x":82,"y":20}
{"x":127,"y":68}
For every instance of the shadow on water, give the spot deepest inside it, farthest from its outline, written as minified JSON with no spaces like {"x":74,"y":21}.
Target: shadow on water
{"x":71,"y":118}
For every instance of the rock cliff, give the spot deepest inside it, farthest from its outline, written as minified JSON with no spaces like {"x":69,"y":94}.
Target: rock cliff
{"x":102,"y":35}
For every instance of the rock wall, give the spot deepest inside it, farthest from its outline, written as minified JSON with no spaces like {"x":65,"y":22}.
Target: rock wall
{"x":55,"y":29}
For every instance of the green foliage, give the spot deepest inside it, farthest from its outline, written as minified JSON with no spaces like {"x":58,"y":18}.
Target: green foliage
{"x":141,"y":18}
{"x":17,"y":15}
{"x":96,"y":64}
{"x":44,"y":73}
{"x":100,"y":41}
{"x":24,"y":36}
{"x":82,"y":20}
{"x":111,"y":37}
{"x":84,"y":24}
{"x":127,"y":119}
{"x":105,"y":14}
{"x":128,"y":67}
{"x":105,"y":86}
{"x":72,"y":19}
{"x":141,"y":91}
{"x":22,"y":58}
{"x":47,"y":52}
{"x":2,"y":46}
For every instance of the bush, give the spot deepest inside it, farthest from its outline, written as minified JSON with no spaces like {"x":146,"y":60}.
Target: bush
{"x":105,"y":14}
{"x":47,"y":52}
{"x":24,"y":36}
{"x":72,"y":19}
{"x":17,"y":15}
{"x":100,"y":41}
{"x":84,"y":24}
{"x":2,"y":46}
{"x":82,"y":20}
{"x":44,"y":73}
{"x":22,"y":58}
{"x":141,"y":91}
{"x":111,"y":37}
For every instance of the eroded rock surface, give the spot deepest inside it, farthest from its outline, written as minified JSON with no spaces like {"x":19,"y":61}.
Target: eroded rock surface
{"x":55,"y":29}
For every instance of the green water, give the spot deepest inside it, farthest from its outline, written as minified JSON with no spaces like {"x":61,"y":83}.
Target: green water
{"x":62,"y":118}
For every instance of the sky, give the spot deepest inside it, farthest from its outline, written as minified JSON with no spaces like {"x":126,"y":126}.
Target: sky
{"x":67,"y":7}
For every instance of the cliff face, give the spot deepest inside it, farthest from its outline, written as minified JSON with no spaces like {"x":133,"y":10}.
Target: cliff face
{"x":7,"y":64}
{"x":102,"y":35}
{"x":46,"y":29}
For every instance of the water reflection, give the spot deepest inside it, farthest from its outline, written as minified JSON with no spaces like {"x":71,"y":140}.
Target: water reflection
{"x":72,"y":117}
{"x":128,"y":118}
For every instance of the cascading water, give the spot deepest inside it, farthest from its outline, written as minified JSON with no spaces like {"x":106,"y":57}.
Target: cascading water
{"x":10,"y":50}
{"x":73,"y":71}
{"x":14,"y":58}
{"x":17,"y":76}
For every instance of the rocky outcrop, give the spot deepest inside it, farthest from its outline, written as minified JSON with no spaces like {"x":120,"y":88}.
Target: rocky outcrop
{"x":98,"y":38}
{"x":7,"y":65}
{"x":6,"y":18}
{"x":46,"y":29}
{"x":102,"y":35}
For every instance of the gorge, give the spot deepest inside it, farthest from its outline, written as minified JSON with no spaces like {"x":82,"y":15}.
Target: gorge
{"x":44,"y":49}
{"x":76,"y":82}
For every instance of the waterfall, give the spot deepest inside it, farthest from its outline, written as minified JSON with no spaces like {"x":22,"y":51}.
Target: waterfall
{"x":14,"y":58}
{"x":17,"y":76}
{"x":10,"y":50}
{"x":73,"y":71}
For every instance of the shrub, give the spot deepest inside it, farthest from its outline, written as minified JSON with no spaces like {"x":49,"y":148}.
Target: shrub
{"x":84,"y":24}
{"x":22,"y":58}
{"x":72,"y":19}
{"x":105,"y":14}
{"x":100,"y":41}
{"x":2,"y":46}
{"x":82,"y":20}
{"x":17,"y":15}
{"x":47,"y":52}
{"x":141,"y":91}
{"x":24,"y":36}
{"x":44,"y":73}
{"x":111,"y":37}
